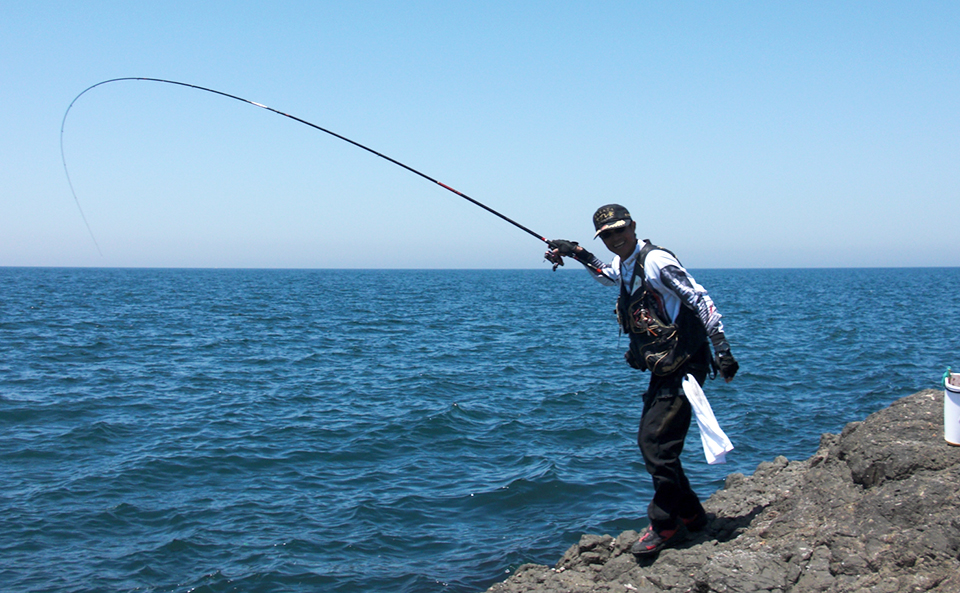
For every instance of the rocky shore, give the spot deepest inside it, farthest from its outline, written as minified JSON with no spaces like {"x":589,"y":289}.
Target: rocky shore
{"x":876,"y":509}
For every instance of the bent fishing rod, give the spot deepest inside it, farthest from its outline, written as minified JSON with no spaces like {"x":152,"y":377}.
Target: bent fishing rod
{"x":278,"y":112}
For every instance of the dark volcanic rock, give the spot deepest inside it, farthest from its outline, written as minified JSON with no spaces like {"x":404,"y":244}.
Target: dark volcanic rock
{"x":876,"y":509}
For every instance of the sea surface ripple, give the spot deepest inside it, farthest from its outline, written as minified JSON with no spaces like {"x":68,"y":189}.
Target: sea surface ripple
{"x":392,"y":430}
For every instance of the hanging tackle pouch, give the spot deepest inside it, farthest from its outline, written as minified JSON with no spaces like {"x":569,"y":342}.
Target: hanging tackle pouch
{"x":662,"y":346}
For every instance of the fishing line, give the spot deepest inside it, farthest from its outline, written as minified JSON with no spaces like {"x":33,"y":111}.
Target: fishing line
{"x":293,"y":117}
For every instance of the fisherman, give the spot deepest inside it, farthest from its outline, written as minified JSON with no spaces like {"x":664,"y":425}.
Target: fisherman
{"x":669,"y":318}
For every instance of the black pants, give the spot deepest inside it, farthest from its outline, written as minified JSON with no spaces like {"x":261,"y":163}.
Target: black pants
{"x":663,"y":428}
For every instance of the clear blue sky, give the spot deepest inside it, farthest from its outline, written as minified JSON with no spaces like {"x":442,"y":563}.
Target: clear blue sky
{"x":740,"y":134}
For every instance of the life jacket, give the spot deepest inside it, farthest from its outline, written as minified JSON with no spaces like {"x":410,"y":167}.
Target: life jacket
{"x":663,"y":345}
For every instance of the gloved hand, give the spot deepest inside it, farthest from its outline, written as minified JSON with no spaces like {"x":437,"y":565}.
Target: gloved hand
{"x":559,"y":248}
{"x":724,"y":360}
{"x":727,"y":364}
{"x":564,"y":247}
{"x":633,"y":361}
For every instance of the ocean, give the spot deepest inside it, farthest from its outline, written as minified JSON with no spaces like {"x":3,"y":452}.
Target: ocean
{"x":173,"y":430}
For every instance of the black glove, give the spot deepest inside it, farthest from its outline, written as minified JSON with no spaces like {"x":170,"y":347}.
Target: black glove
{"x":724,"y":360}
{"x":633,"y":361}
{"x":727,"y":364}
{"x":559,"y":248}
{"x":564,"y":247}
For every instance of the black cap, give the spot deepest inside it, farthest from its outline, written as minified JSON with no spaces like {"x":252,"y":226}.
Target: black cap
{"x":611,"y":216}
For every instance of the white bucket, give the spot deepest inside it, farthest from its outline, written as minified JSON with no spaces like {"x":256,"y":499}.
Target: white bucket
{"x":951,"y":408}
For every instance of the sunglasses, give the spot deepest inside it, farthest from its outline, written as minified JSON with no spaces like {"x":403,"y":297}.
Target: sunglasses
{"x":611,"y":232}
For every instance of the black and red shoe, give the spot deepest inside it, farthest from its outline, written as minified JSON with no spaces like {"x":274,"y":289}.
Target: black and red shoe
{"x":651,"y":541}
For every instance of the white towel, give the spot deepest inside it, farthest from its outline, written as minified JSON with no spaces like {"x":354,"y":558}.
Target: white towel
{"x":716,"y":445}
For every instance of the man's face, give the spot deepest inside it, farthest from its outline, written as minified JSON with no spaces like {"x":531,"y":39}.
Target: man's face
{"x":621,"y":241}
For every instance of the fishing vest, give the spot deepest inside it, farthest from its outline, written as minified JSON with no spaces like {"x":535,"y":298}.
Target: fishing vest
{"x":663,"y":345}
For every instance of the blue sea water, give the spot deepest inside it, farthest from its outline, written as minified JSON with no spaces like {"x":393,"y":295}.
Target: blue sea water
{"x":392,"y":431}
